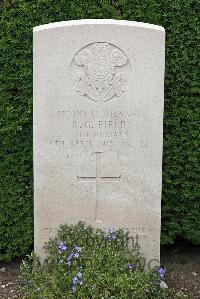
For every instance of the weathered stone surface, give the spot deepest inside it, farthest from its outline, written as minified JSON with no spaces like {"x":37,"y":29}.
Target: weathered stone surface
{"x":98,"y":121}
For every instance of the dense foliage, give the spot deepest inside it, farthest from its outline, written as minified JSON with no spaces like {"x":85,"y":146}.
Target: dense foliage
{"x":87,"y":263}
{"x":181,"y":174}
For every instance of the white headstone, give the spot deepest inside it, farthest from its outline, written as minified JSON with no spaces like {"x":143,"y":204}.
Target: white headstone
{"x":98,"y":123}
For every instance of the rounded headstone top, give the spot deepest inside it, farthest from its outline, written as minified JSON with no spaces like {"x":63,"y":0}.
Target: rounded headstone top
{"x":98,"y":22}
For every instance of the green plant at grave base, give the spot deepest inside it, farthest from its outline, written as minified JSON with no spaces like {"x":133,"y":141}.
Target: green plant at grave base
{"x":181,"y":171}
{"x":83,"y":262}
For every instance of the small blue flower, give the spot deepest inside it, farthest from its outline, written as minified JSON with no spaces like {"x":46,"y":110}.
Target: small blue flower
{"x":112,"y":233}
{"x":75,"y":280}
{"x":76,"y":254}
{"x":62,"y":247}
{"x":73,"y":289}
{"x":78,"y":248}
{"x":79,"y":274}
{"x":69,"y":259}
{"x":131,"y":266}
{"x":112,"y":237}
{"x":111,"y":230}
{"x":162,"y":272}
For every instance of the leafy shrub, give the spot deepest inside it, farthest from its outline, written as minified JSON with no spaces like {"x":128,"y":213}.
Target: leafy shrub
{"x":86,"y":263}
{"x":181,"y":171}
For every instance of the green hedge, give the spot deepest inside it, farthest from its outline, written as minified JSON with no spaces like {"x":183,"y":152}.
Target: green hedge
{"x":181,"y":174}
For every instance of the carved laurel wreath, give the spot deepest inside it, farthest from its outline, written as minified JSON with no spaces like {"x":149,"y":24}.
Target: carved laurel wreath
{"x":99,"y":78}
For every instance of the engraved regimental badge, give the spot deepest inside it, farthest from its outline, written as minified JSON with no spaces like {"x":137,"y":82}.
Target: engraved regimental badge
{"x":100,"y":71}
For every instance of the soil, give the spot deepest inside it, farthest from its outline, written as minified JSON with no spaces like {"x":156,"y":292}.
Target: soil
{"x":182,"y":262}
{"x":9,"y":280}
{"x":183,"y":266}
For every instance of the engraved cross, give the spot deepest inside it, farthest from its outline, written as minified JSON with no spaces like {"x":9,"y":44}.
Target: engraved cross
{"x":98,"y":179}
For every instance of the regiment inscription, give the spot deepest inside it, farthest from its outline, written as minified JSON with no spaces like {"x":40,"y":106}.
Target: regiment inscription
{"x":99,"y":76}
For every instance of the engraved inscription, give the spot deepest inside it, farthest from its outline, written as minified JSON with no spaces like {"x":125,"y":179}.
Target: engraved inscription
{"x":136,"y":230}
{"x":98,"y":179}
{"x":100,"y":130}
{"x":99,"y":77}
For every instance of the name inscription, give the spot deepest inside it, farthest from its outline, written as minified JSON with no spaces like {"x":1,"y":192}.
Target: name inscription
{"x":92,"y":128}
